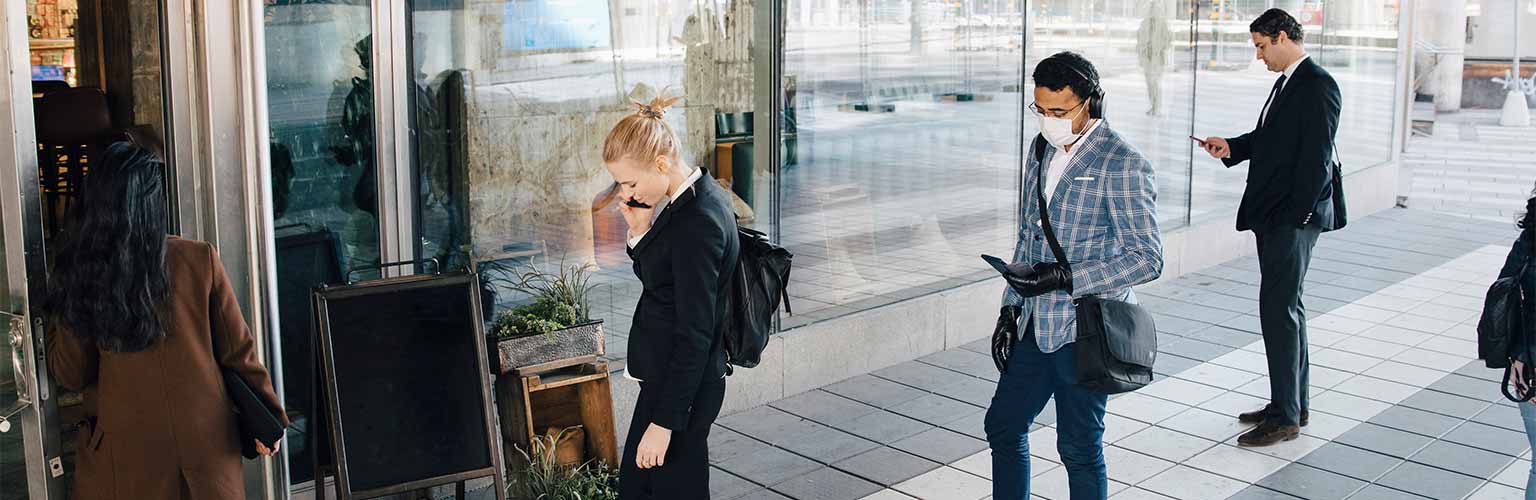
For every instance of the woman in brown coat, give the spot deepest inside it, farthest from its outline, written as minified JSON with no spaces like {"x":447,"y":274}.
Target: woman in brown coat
{"x":138,"y":319}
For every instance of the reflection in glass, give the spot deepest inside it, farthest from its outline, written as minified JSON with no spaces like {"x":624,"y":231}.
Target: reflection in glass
{"x":324,"y":187}
{"x":905,"y":156}
{"x":511,"y":101}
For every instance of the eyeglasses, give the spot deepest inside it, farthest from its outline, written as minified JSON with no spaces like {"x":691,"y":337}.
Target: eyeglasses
{"x":1035,"y":108}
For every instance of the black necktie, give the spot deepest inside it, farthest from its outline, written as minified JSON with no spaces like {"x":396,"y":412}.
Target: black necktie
{"x":1273,"y":93}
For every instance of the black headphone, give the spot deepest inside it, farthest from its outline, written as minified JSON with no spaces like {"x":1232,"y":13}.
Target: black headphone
{"x":1095,"y":93}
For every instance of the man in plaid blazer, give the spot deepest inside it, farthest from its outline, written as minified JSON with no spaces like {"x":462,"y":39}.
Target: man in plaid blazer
{"x":1101,"y":201}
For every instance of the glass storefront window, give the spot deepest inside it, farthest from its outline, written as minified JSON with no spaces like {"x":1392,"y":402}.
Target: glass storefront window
{"x":510,"y":103}
{"x":903,"y":158}
{"x":324,"y":187}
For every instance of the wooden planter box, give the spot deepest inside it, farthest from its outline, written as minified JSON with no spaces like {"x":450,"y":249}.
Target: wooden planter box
{"x":532,"y":402}
{"x":561,"y":348}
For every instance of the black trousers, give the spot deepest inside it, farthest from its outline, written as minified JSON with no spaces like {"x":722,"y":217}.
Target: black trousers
{"x":1284,"y":256}
{"x":685,"y":475}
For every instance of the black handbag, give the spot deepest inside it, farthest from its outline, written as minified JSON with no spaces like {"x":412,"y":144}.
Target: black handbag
{"x":1340,"y":212}
{"x":1116,"y":340}
{"x":255,"y":419}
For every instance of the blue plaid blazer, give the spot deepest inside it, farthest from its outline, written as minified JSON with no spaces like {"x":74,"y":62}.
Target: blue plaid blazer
{"x":1104,"y":211}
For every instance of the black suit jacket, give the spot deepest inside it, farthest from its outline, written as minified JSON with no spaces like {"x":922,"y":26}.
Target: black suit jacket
{"x":675,"y":343}
{"x":1291,"y":155}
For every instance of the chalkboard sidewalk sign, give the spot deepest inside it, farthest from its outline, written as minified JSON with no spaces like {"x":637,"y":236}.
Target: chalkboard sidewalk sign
{"x":407,"y":385}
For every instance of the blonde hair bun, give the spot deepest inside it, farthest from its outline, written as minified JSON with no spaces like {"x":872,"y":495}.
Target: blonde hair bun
{"x":658,"y":106}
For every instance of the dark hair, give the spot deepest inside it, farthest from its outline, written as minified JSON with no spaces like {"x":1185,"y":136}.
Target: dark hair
{"x":1274,"y":21}
{"x":1067,"y":69}
{"x":109,"y":280}
{"x":1524,"y":219}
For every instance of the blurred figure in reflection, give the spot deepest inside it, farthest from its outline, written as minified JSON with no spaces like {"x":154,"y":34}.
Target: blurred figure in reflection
{"x":1154,"y":51}
{"x":682,"y":237}
{"x":143,"y":323}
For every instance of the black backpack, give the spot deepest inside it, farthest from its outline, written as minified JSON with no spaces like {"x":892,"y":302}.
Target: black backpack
{"x":752,"y":296}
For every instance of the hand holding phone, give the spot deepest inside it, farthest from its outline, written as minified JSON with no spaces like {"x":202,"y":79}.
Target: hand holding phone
{"x":1198,"y":140}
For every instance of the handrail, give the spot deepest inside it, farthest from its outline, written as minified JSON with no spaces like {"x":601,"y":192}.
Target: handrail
{"x":1433,"y":49}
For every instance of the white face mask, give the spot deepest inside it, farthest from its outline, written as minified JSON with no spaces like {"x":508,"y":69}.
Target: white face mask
{"x":1058,"y":131}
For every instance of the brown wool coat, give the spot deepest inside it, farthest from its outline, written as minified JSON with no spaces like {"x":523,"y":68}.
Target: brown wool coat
{"x":165,"y":428}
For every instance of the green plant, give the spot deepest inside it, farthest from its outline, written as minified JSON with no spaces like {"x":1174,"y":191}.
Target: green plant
{"x":544,"y":478}
{"x":560,"y":300}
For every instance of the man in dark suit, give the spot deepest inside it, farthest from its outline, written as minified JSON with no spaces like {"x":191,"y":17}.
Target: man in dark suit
{"x":1287,"y":204}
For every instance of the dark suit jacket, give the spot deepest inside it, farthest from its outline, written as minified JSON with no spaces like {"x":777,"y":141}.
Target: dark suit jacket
{"x":162,"y":417}
{"x":675,"y":343}
{"x":1291,"y":155}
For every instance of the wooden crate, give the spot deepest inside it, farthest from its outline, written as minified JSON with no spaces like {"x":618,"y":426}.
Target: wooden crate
{"x":531,"y":400}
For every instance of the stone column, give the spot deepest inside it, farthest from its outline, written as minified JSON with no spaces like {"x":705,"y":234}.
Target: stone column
{"x":1443,"y":24}
{"x":917,"y":26}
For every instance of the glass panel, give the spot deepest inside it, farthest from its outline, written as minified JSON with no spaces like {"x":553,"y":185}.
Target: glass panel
{"x":13,"y":458}
{"x":324,"y":187}
{"x":903,"y":158}
{"x":1359,"y":48}
{"x":1142,"y":52}
{"x":1233,"y":86}
{"x":511,"y":101}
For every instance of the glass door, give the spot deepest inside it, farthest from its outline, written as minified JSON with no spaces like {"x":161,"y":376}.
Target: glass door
{"x":94,"y":74}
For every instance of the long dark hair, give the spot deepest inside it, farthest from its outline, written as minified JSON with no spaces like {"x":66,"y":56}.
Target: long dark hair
{"x":109,"y":279}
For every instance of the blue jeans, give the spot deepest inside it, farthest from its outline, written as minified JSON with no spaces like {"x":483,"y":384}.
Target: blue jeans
{"x":1528,"y":413}
{"x":1032,"y":378}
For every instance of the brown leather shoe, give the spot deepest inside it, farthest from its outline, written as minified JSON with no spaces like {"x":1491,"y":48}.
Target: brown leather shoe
{"x":1262,"y":414}
{"x":1269,"y":433}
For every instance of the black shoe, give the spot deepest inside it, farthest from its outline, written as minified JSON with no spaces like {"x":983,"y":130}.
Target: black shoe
{"x":1262,"y":414}
{"x":1269,"y":433}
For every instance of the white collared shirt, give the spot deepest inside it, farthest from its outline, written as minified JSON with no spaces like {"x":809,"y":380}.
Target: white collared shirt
{"x":1062,"y":159}
{"x":665,"y":202}
{"x":1289,"y":72}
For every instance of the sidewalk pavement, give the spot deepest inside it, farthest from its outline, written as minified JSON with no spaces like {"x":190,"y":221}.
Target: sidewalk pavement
{"x":1401,"y":408}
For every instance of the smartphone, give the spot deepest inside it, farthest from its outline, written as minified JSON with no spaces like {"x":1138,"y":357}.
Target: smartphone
{"x":635,"y":204}
{"x":996,"y":263}
{"x":1198,"y":140}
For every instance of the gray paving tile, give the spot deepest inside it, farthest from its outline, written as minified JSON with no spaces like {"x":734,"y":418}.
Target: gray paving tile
{"x":1222,"y":335}
{"x":1487,"y":437}
{"x":1501,"y":416}
{"x":826,"y":484}
{"x":875,"y":391}
{"x":1391,"y":442}
{"x":941,"y":445}
{"x":763,"y":494}
{"x":1463,"y":385}
{"x":1202,"y":314}
{"x":1379,"y":492}
{"x":982,"y":347}
{"x":1194,"y":349}
{"x":1416,"y":421}
{"x":1446,"y":404}
{"x":1260,"y":493}
{"x":1478,"y":370}
{"x":769,"y":466}
{"x":824,"y":407}
{"x":1430,"y":482}
{"x":923,"y":376}
{"x":887,"y":466}
{"x":764,"y":422}
{"x":973,"y":425}
{"x":936,"y":409}
{"x":1177,"y":325}
{"x":824,"y":444}
{"x":1168,"y":364}
{"x":1350,"y":461}
{"x":726,"y":486}
{"x":1248,"y":323}
{"x":884,"y":427}
{"x":975,"y":391}
{"x":1335,"y":293}
{"x":726,"y":444}
{"x":1464,"y":459}
{"x":964,"y":361}
{"x":1311,"y":483}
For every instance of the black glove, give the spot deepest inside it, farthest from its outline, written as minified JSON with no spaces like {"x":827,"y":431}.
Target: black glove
{"x":1004,"y":337}
{"x":1043,"y":278}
